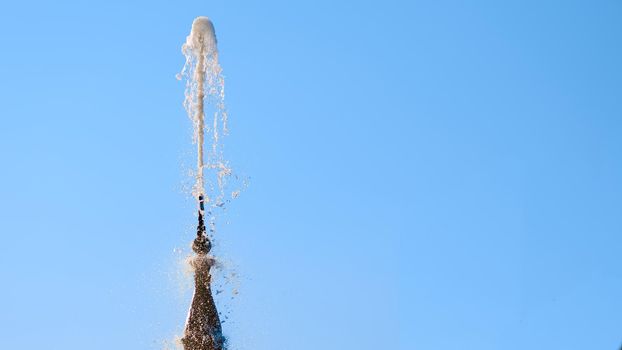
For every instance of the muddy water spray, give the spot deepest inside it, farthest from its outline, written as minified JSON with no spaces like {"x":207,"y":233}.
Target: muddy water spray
{"x":204,"y":83}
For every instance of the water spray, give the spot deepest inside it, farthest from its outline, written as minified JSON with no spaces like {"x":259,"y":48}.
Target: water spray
{"x":203,"y":330}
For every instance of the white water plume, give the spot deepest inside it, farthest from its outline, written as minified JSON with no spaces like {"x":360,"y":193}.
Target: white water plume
{"x":205,"y":92}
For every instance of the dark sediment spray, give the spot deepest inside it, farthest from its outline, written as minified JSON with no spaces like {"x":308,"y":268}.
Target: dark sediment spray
{"x":205,"y":88}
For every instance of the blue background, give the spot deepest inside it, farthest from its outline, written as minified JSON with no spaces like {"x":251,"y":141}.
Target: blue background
{"x":424,"y":174}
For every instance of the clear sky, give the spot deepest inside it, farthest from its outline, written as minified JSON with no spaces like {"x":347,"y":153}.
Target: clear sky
{"x":424,"y":174}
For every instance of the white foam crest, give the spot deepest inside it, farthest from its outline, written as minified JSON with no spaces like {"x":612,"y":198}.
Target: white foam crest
{"x":205,"y":90}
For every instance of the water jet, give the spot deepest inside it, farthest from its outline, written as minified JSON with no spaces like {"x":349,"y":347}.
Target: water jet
{"x":204,"y":82}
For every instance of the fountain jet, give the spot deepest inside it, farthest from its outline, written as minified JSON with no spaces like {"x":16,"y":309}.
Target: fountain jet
{"x":203,"y":329}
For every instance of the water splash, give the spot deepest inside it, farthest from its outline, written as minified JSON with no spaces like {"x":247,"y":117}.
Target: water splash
{"x":204,"y":96}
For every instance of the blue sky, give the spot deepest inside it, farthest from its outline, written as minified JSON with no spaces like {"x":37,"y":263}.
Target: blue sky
{"x":424,"y":174}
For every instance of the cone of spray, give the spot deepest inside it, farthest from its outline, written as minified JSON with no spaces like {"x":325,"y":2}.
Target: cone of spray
{"x":203,"y":330}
